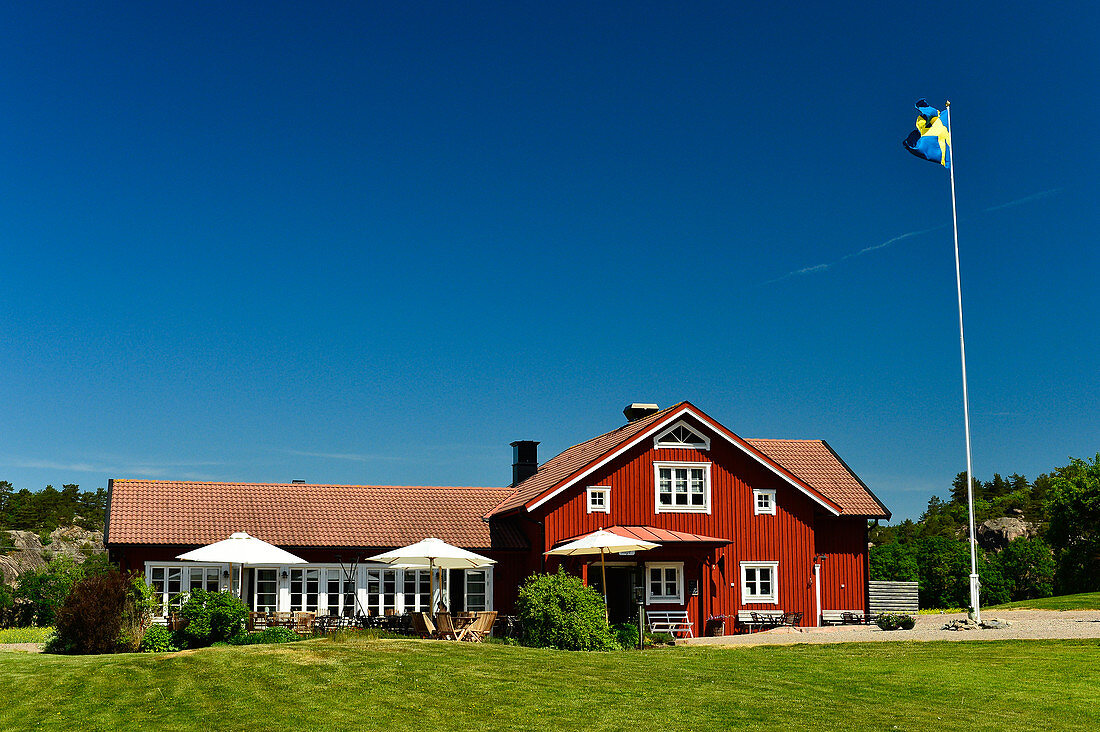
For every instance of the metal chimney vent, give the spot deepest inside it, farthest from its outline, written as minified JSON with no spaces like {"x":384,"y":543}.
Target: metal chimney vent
{"x":637,"y":410}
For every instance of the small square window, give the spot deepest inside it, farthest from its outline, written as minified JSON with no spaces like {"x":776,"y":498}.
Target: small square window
{"x":599,"y":499}
{"x":763,"y":501}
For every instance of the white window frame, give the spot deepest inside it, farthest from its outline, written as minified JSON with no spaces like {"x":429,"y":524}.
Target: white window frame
{"x":164,"y":600}
{"x":488,"y":573}
{"x":757,"y":494}
{"x":661,"y":438}
{"x":597,"y":490}
{"x":650,"y":598}
{"x":658,"y":508}
{"x":773,"y":597}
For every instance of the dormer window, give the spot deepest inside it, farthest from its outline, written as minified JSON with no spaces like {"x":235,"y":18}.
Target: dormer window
{"x":682,"y":436}
{"x":763,"y":501}
{"x":599,"y":499}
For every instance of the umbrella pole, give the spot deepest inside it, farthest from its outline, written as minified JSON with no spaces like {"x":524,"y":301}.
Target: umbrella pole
{"x":603,"y":571}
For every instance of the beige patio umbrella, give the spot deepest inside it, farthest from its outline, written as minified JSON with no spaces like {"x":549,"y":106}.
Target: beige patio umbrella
{"x":601,"y":541}
{"x":242,"y":549}
{"x":429,"y":554}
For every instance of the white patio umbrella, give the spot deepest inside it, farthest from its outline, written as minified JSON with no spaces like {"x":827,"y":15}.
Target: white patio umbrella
{"x":601,"y":541}
{"x":242,"y":549}
{"x":431,"y":553}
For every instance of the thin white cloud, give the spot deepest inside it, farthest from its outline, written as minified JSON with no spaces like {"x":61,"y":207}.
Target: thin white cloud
{"x":355,"y":457}
{"x":907,"y":235}
{"x":140,"y":468}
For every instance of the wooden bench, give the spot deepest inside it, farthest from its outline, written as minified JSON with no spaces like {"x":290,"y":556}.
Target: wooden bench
{"x":760,"y":619}
{"x":669,"y":621}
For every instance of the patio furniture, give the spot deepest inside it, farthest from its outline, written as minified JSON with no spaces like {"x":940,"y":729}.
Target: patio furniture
{"x":282,"y":619}
{"x":791,"y":619}
{"x":759,"y":619}
{"x":257,"y":621}
{"x":423,"y":626}
{"x":481,"y":627}
{"x":670,"y":621}
{"x":447,"y":630}
{"x":303,"y":622}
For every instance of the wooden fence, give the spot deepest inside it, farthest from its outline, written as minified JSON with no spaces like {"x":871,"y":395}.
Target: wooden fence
{"x":898,"y":597}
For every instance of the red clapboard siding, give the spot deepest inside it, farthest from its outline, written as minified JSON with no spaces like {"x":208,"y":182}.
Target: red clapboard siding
{"x":843,"y":544}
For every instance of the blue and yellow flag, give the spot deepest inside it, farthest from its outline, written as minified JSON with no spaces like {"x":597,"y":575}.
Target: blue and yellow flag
{"x":932,"y":138}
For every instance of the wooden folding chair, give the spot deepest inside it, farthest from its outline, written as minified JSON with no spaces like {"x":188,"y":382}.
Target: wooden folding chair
{"x":447,"y":628}
{"x":481,"y":627}
{"x":423,"y":625}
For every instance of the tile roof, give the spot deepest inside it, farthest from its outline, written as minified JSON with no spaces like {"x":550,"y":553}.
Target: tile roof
{"x":569,"y":461}
{"x":815,"y":464}
{"x":301,"y":515}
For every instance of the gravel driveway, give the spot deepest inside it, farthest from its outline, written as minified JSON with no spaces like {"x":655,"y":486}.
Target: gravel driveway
{"x":1031,"y":624}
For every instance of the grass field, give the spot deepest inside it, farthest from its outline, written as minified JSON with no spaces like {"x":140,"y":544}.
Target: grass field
{"x":432,"y":685}
{"x":1084,"y":601}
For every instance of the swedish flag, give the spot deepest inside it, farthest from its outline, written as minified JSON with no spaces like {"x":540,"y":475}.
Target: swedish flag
{"x":932,"y":138}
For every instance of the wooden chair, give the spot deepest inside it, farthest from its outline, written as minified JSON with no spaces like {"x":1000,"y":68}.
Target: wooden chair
{"x":446,"y":627}
{"x":481,"y":627}
{"x":303,"y":623}
{"x":282,"y":618}
{"x":423,"y":626}
{"x":257,"y":621}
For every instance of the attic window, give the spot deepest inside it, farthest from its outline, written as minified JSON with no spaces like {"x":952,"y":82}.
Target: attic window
{"x":683,"y":436}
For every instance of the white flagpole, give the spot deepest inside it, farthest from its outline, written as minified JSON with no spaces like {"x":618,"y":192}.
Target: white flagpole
{"x":974,"y":583}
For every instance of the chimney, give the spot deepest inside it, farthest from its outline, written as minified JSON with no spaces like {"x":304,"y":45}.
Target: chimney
{"x":637,"y":410}
{"x":525,"y":460}
{"x":298,"y":481}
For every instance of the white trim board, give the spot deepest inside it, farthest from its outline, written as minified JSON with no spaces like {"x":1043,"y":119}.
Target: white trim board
{"x":651,"y":431}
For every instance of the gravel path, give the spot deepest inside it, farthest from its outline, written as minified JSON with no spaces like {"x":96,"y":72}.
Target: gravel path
{"x":1031,"y":624}
{"x":25,"y":647}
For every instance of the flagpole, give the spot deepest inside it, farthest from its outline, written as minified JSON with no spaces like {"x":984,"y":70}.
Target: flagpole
{"x":974,"y":583}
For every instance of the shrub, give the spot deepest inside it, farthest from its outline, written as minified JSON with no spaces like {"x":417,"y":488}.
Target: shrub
{"x":895,"y":621}
{"x":559,"y":611}
{"x":137,"y":614}
{"x":626,"y":634}
{"x":7,"y":606}
{"x":271,"y":635}
{"x":211,"y":617}
{"x":91,"y":618}
{"x":158,"y":639}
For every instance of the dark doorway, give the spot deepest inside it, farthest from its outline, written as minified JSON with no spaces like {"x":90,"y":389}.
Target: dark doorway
{"x":620,"y":591}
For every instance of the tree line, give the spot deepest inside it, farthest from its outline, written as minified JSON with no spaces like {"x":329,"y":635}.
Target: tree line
{"x":1062,"y":557}
{"x":47,"y":509}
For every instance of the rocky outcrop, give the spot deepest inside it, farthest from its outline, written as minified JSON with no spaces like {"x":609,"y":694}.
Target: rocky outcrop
{"x":996,"y":533}
{"x":30,"y":553}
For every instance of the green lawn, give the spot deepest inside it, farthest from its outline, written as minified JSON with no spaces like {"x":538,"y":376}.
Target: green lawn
{"x":433,"y":685}
{"x":1084,"y":601}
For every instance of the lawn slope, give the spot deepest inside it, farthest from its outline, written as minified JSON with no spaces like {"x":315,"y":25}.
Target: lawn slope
{"x":1084,"y":601}
{"x":425,"y":685}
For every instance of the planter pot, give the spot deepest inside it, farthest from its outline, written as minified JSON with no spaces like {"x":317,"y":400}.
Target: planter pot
{"x":716,"y":628}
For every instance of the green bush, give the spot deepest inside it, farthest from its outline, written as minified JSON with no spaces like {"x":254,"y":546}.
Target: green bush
{"x":626,"y":634}
{"x":271,"y":635}
{"x":895,"y":621}
{"x":211,"y":617}
{"x":559,"y":611}
{"x":158,"y":639}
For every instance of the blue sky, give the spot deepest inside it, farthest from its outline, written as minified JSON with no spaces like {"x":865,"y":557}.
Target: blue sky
{"x":363,"y":243}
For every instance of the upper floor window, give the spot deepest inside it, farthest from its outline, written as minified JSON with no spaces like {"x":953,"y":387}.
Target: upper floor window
{"x":681,"y":435}
{"x":683,"y":487}
{"x":763,"y":501}
{"x":599,"y":499}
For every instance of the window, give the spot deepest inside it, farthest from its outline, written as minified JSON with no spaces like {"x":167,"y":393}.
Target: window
{"x":340,"y":591}
{"x":305,"y":588}
{"x":682,"y":487}
{"x":382,"y":591}
{"x":599,"y":499}
{"x":763,"y":501}
{"x":665,"y":582}
{"x":759,"y":582}
{"x":267,"y":590}
{"x":172,"y":584}
{"x":681,"y":435}
{"x":478,"y":590}
{"x":417,"y":587}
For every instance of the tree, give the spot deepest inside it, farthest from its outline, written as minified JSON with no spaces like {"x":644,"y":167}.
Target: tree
{"x":1027,"y":565}
{"x":1073,"y":510}
{"x":894,"y":562}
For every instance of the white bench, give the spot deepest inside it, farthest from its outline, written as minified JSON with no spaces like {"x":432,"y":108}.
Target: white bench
{"x":764,"y":618}
{"x":669,"y":621}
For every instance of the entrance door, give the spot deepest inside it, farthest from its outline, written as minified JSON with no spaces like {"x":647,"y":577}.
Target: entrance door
{"x":620,"y":591}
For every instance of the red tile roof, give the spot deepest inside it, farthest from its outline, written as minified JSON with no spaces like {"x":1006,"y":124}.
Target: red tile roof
{"x":301,"y":515}
{"x":811,"y":463}
{"x":815,"y":464}
{"x":573,"y":459}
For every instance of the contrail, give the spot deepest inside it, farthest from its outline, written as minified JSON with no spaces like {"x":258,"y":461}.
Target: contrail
{"x":907,"y":235}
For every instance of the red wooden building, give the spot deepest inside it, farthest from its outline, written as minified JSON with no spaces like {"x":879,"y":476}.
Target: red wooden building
{"x":743,"y":524}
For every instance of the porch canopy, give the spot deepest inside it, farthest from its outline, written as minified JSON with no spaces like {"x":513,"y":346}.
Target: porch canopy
{"x":599,"y":542}
{"x":242,"y":549}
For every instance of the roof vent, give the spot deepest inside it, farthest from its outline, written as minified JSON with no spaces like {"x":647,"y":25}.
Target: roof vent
{"x":298,"y":481}
{"x":637,"y":410}
{"x":525,"y":460}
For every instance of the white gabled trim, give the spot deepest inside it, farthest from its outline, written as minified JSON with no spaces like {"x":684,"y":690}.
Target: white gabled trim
{"x":680,"y":445}
{"x":649,"y":433}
